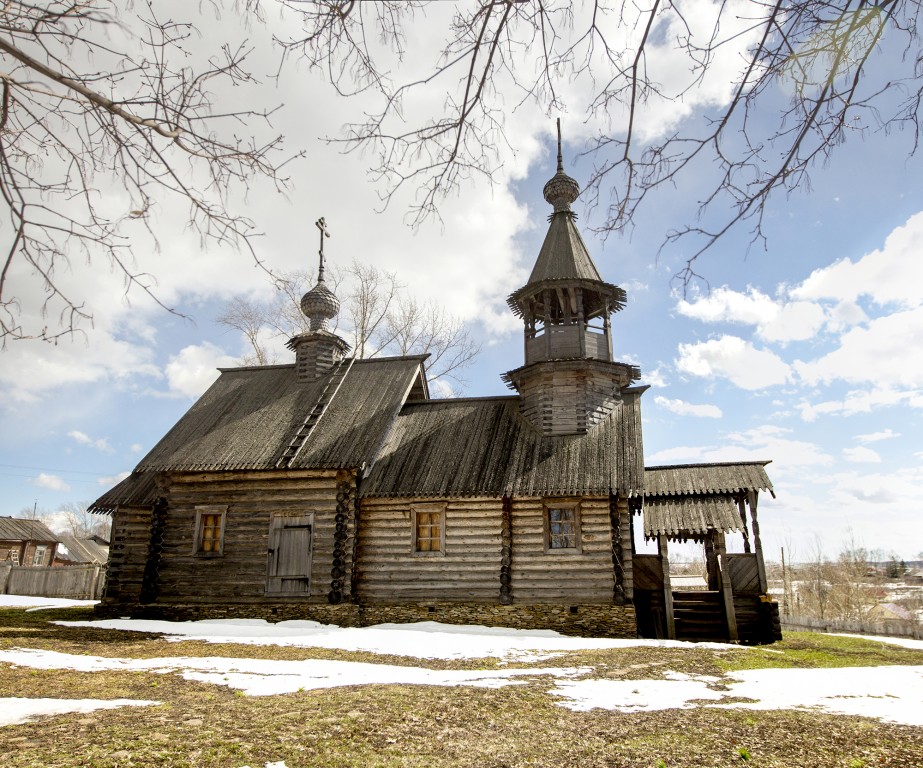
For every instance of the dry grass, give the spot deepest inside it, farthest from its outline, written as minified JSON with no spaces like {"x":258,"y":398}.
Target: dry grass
{"x":199,"y":724}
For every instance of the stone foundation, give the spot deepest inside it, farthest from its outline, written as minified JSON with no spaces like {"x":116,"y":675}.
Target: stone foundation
{"x":591,"y":620}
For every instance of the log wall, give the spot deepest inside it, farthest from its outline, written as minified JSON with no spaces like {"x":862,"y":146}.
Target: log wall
{"x":251,"y":499}
{"x":389,"y":571}
{"x":131,"y":533}
{"x":570,"y":576}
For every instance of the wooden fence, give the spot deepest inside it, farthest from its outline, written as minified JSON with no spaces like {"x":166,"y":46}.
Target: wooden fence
{"x":911,"y":629}
{"x":79,"y":582}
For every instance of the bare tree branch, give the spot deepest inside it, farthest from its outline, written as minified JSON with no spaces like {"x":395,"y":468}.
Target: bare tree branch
{"x":377,"y":316}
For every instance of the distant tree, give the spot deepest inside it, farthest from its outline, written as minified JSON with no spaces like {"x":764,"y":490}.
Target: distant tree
{"x":70,"y":518}
{"x":377,"y":317}
{"x":82,"y":524}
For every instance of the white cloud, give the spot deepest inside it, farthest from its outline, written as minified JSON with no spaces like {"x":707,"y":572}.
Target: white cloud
{"x":734,"y":359}
{"x":861,"y":455}
{"x":101,"y":444}
{"x":655,"y":378}
{"x":889,"y":349}
{"x":111,"y":480}
{"x":790,"y":457}
{"x":724,"y":305}
{"x":893,"y":274}
{"x":682,"y":408}
{"x":136,"y":448}
{"x":776,"y":321}
{"x":194,"y":369}
{"x":51,"y":482}
{"x":874,"y":437}
{"x":860,"y":401}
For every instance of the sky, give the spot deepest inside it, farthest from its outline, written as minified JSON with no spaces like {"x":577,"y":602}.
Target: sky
{"x":808,"y":352}
{"x":889,"y":693}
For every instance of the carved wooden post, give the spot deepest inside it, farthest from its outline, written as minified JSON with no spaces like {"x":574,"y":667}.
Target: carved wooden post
{"x":757,"y":544}
{"x":667,"y":587}
{"x":506,"y":551}
{"x":727,"y":591}
{"x":742,"y":510}
{"x":547,"y":320}
{"x":342,"y":520}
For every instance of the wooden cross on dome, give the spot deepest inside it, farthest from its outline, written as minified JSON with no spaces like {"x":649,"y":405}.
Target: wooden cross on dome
{"x":322,"y":226}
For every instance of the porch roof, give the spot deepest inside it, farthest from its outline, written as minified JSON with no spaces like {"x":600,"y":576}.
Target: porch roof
{"x":676,"y":516}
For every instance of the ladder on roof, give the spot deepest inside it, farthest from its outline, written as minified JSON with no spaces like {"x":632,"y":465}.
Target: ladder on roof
{"x":330,"y":389}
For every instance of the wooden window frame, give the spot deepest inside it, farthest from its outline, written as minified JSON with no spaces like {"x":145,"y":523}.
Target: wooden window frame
{"x":427,"y":509}
{"x":198,"y":536}
{"x":38,"y":555}
{"x":568,"y":504}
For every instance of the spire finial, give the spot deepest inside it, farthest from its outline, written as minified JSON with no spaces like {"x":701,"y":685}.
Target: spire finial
{"x":560,"y":155}
{"x":561,"y":190}
{"x":322,"y":226}
{"x":319,"y":304}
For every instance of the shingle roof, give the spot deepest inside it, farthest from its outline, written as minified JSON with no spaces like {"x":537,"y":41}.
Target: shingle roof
{"x":83,"y":550}
{"x":564,"y":255}
{"x":673,"y":515}
{"x":693,"y":498}
{"x":248,"y":417}
{"x":685,"y":479}
{"x":18,"y":529}
{"x":139,"y":489}
{"x":473,"y":447}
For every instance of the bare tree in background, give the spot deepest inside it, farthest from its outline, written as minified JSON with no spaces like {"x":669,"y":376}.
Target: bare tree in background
{"x":98,"y":93}
{"x":377,"y":317}
{"x":71,"y":518}
{"x":497,"y":54}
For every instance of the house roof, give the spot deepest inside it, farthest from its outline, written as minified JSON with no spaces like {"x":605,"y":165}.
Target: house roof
{"x":139,"y":489}
{"x":484,"y":447}
{"x":83,"y":550}
{"x":248,"y":417}
{"x":686,"y":479}
{"x":18,"y":529}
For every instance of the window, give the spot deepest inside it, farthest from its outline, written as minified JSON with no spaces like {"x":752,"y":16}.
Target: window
{"x":562,"y":526}
{"x":428,"y":529}
{"x":39,"y":557}
{"x":209,"y":531}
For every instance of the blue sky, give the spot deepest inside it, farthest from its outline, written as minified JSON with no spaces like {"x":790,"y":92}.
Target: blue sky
{"x":808,"y":353}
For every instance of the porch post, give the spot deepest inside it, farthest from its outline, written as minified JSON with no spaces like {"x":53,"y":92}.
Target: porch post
{"x":742,"y":510}
{"x":667,"y":588}
{"x":757,"y":545}
{"x":727,"y":591}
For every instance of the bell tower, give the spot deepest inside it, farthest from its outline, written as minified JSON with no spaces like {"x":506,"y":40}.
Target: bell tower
{"x":569,"y":381}
{"x":318,"y":350}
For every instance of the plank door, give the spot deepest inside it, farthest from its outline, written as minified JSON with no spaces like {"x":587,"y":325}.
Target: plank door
{"x":290,"y":539}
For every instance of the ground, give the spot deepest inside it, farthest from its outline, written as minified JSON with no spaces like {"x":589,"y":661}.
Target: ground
{"x":78,"y":692}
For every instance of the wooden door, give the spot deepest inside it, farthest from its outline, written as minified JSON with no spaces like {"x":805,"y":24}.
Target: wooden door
{"x":290,"y":539}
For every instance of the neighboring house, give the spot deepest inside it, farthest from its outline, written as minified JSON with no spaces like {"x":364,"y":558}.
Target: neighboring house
{"x":80,"y":551}
{"x":26,"y":542}
{"x":889,"y":612}
{"x":335,"y":489}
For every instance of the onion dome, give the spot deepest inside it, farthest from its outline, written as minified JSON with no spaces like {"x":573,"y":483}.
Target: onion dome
{"x":561,"y":190}
{"x":320,"y":305}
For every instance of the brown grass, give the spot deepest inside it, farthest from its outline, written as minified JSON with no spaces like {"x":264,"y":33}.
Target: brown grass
{"x":199,"y":724}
